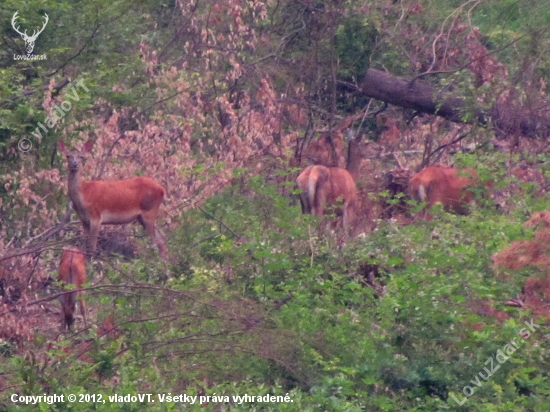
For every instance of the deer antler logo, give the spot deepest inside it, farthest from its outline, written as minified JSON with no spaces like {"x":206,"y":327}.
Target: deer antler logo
{"x":29,"y":40}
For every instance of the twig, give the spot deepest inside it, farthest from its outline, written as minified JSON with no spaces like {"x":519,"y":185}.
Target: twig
{"x":77,"y":53}
{"x":112,"y":286}
{"x":57,"y":88}
{"x":48,"y":233}
{"x":219,"y":221}
{"x":397,"y":160}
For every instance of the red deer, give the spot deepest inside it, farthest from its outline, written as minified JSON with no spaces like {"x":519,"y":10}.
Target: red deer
{"x":72,"y":271}
{"x":445,"y":185}
{"x":323,"y":186}
{"x":123,"y":201}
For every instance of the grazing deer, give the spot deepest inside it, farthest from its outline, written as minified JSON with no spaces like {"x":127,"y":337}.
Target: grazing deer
{"x":445,"y":185}
{"x":116,"y":203}
{"x":72,"y":271}
{"x":323,"y":186}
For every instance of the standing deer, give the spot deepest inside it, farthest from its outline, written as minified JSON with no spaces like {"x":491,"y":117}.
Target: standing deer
{"x":116,"y":203}
{"x":72,"y":271}
{"x":323,"y":186}
{"x":445,"y":185}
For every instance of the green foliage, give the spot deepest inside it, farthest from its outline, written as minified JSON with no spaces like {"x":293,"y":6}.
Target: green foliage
{"x":256,"y":298}
{"x":292,"y":315}
{"x":355,"y":40}
{"x":88,"y":41}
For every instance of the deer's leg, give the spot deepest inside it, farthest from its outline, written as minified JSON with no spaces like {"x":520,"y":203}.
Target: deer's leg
{"x":161,"y":243}
{"x":347,"y":216}
{"x":304,"y":201}
{"x":319,"y":201}
{"x":82,"y":309}
{"x":156,"y":236}
{"x":93,"y":235}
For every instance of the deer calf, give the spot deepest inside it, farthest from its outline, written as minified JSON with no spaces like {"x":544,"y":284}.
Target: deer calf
{"x":72,"y":271}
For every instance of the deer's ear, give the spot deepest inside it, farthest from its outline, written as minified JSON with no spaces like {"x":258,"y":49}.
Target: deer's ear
{"x":61,"y":147}
{"x":88,"y":146}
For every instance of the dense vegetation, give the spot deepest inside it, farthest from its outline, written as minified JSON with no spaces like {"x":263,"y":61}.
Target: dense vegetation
{"x":223,"y":102}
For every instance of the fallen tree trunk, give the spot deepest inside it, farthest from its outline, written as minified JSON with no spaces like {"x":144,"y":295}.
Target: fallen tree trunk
{"x":420,"y":96}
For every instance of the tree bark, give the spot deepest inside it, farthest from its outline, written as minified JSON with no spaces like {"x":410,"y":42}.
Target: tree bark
{"x":416,"y":95}
{"x":507,"y":119}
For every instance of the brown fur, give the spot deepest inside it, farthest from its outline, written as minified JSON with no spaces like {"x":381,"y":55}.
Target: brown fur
{"x":72,"y":271}
{"x":322,"y":186}
{"x":119,"y":202}
{"x":445,"y":185}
